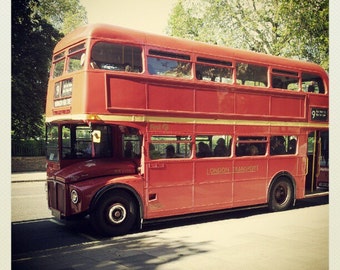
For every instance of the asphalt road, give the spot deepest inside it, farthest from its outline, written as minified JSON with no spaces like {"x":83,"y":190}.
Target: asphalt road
{"x":251,"y":239}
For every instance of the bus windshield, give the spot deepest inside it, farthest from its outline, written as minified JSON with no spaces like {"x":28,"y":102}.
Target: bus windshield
{"x":79,"y":141}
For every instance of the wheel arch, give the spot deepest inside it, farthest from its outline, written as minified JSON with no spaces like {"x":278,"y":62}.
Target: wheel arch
{"x":115,"y":188}
{"x":286,"y":175}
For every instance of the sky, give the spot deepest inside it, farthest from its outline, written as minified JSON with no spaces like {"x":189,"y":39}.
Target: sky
{"x":145,"y":15}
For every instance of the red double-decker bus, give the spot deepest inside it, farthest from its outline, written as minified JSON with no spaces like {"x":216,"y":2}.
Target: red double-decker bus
{"x":142,"y":127}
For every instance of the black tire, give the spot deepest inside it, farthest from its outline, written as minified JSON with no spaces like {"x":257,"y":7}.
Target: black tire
{"x":114,"y":214}
{"x":281,"y":195}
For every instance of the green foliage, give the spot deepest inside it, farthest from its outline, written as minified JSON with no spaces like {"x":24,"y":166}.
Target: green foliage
{"x":32,"y":43}
{"x":64,"y":15}
{"x":290,"y":28}
{"x":37,"y":25}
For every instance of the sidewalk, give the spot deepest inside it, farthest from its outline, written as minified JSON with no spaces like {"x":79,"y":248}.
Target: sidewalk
{"x":28,"y":176}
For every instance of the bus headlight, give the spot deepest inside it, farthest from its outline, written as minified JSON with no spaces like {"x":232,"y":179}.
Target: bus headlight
{"x":74,"y":196}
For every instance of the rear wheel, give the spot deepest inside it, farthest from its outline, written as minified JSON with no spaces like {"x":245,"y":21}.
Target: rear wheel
{"x":281,"y":195}
{"x":114,"y":213}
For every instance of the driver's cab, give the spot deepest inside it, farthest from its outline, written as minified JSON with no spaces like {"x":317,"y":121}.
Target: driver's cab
{"x":69,"y":143}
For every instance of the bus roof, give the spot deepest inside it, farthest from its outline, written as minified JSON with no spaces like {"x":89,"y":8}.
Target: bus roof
{"x":129,"y":36}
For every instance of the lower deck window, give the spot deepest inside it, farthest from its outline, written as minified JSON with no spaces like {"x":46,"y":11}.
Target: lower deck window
{"x":213,"y":146}
{"x":283,"y":145}
{"x":251,"y":146}
{"x":163,"y":147}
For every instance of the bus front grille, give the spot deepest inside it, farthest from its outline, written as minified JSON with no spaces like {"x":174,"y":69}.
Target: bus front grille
{"x":56,"y":196}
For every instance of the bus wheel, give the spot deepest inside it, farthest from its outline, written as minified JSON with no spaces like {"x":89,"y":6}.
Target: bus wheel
{"x":114,"y":214}
{"x":281,"y":195}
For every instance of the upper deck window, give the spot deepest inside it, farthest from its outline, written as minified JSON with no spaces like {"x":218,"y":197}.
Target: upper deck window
{"x":76,"y":58}
{"x":251,"y":75}
{"x":214,"y":70}
{"x":116,"y":57}
{"x":58,"y":66}
{"x":312,"y":83}
{"x":284,"y":79}
{"x":169,"y":64}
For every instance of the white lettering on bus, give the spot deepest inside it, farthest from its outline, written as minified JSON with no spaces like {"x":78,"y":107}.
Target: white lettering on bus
{"x":246,"y":169}
{"x":218,"y":170}
{"x":227,"y":170}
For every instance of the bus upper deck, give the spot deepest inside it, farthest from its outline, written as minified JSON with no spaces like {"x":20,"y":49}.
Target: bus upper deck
{"x":112,"y":69}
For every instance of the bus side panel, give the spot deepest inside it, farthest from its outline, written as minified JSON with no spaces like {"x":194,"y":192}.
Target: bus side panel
{"x":127,"y":94}
{"x":168,"y":189}
{"x":213,"y":184}
{"x":169,"y":98}
{"x":318,"y":100}
{"x":252,"y":104}
{"x":288,"y":106}
{"x":250,"y":181}
{"x":214,"y":101}
{"x":294,"y":165}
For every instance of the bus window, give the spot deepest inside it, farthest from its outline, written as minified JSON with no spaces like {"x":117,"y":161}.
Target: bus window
{"x":284,"y":79}
{"x":213,"y":146}
{"x":283,"y":145}
{"x":214,"y":70}
{"x":52,"y":135}
{"x":312,"y":83}
{"x":170,"y":147}
{"x":116,"y":57}
{"x":59,"y":62}
{"x":251,"y":146}
{"x":324,"y":148}
{"x":161,"y":64}
{"x":131,"y":146}
{"x":251,"y":75}
{"x":76,"y":58}
{"x":77,"y":142}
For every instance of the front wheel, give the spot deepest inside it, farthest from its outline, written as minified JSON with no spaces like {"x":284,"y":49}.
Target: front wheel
{"x":281,"y":195}
{"x":114,"y":214}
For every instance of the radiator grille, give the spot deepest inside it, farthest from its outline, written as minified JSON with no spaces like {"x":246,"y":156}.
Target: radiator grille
{"x":56,"y":196}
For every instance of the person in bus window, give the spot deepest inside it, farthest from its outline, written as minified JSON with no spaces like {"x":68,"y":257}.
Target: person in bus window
{"x":170,"y":151}
{"x":128,"y":153}
{"x":93,"y":64}
{"x":154,"y":154}
{"x":252,"y":150}
{"x":199,"y":75}
{"x":292,"y":146}
{"x":203,"y":150}
{"x":220,"y":149}
{"x":311,"y":87}
{"x":277,"y":145}
{"x":277,"y":83}
{"x":128,"y":68}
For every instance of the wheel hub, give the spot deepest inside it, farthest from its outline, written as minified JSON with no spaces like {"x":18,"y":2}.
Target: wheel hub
{"x":117,"y":213}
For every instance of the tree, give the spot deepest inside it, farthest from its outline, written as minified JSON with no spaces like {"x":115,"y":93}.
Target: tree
{"x":307,"y":23}
{"x":33,"y":40}
{"x":64,"y":15}
{"x":291,"y":28}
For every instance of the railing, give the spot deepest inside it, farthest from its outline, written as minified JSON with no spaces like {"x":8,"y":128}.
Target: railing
{"x":28,"y":148}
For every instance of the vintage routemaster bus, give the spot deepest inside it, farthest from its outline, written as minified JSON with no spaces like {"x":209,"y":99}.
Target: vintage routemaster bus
{"x":143,"y":127}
